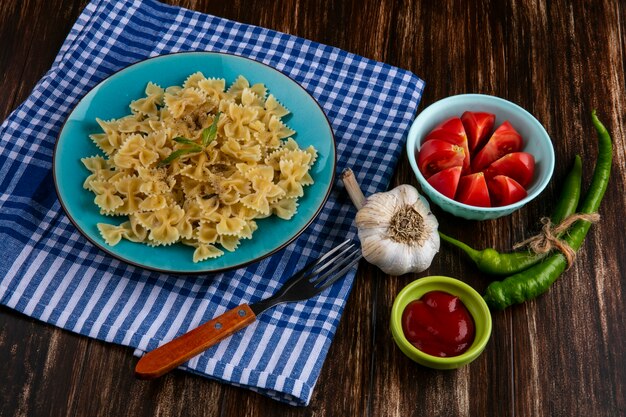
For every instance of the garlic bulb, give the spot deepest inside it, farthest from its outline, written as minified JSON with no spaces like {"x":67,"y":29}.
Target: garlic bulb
{"x":397,"y":230}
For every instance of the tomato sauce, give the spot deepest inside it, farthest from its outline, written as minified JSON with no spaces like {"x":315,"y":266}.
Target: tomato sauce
{"x":438,"y":324}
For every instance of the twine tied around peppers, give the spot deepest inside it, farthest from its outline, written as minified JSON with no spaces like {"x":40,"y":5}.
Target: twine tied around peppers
{"x":547,"y":239}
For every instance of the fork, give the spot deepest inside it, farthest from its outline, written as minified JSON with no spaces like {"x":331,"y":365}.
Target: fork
{"x":307,"y":283}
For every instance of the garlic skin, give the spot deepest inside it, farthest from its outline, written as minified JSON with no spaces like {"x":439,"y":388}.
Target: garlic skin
{"x":398,"y":233}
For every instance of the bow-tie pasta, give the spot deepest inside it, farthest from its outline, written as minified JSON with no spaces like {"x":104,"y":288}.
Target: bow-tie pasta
{"x":197,"y":164}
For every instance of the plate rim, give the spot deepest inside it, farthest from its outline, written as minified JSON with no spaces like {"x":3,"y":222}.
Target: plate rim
{"x":207,"y":271}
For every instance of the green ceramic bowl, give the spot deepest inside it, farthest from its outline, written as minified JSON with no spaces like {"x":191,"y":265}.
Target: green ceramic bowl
{"x":472,"y":300}
{"x":536,"y":139}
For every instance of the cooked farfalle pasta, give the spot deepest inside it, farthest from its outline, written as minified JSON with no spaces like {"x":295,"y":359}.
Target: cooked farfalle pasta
{"x":197,"y":164}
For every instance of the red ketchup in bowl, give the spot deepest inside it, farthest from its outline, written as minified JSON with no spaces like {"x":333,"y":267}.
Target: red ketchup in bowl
{"x":438,"y":324}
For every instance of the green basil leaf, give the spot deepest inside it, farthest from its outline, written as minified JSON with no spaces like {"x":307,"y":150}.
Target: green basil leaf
{"x":181,"y":139}
{"x":178,"y":153}
{"x":210,"y":133}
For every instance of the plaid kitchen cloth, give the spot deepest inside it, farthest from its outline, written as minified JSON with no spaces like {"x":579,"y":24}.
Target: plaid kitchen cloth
{"x":50,"y":272}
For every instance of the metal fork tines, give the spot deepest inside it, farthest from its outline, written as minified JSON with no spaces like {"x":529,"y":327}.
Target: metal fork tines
{"x":315,"y":277}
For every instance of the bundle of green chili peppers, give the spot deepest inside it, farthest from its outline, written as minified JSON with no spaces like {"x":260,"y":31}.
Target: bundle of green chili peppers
{"x":529,"y":274}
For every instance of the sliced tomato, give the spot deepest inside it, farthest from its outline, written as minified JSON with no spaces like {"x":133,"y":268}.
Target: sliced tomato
{"x":436,"y":155}
{"x":452,"y":131}
{"x":478,"y":126}
{"x":473,"y":190}
{"x":504,"y":140}
{"x":446,"y":181}
{"x":519,"y":166}
{"x":505,"y":190}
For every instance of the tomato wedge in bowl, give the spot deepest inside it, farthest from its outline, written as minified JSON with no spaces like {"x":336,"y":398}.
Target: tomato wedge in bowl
{"x":502,"y":142}
{"x":505,"y":190}
{"x":517,"y":165}
{"x":453,"y":131}
{"x":478,"y":126}
{"x":536,"y":142}
{"x":473,"y":190}
{"x":446,"y":181}
{"x":437,"y":155}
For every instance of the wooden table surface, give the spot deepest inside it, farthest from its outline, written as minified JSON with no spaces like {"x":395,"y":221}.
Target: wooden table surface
{"x":562,"y":354}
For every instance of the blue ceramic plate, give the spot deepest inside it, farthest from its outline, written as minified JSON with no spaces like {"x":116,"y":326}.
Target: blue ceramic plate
{"x":110,"y":99}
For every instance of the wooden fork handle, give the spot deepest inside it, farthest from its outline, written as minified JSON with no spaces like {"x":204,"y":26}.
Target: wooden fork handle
{"x":167,"y":357}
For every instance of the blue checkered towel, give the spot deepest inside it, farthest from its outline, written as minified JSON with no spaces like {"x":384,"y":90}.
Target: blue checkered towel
{"x":50,"y":272}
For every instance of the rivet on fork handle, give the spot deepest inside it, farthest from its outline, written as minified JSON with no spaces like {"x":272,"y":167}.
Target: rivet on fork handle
{"x":167,"y":357}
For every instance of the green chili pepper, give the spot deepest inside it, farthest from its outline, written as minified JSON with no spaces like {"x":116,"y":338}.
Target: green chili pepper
{"x":570,"y":193}
{"x":537,"y":279}
{"x":493,"y":262}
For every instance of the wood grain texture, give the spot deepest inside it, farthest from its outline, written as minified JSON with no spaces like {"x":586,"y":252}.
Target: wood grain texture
{"x":559,"y":355}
